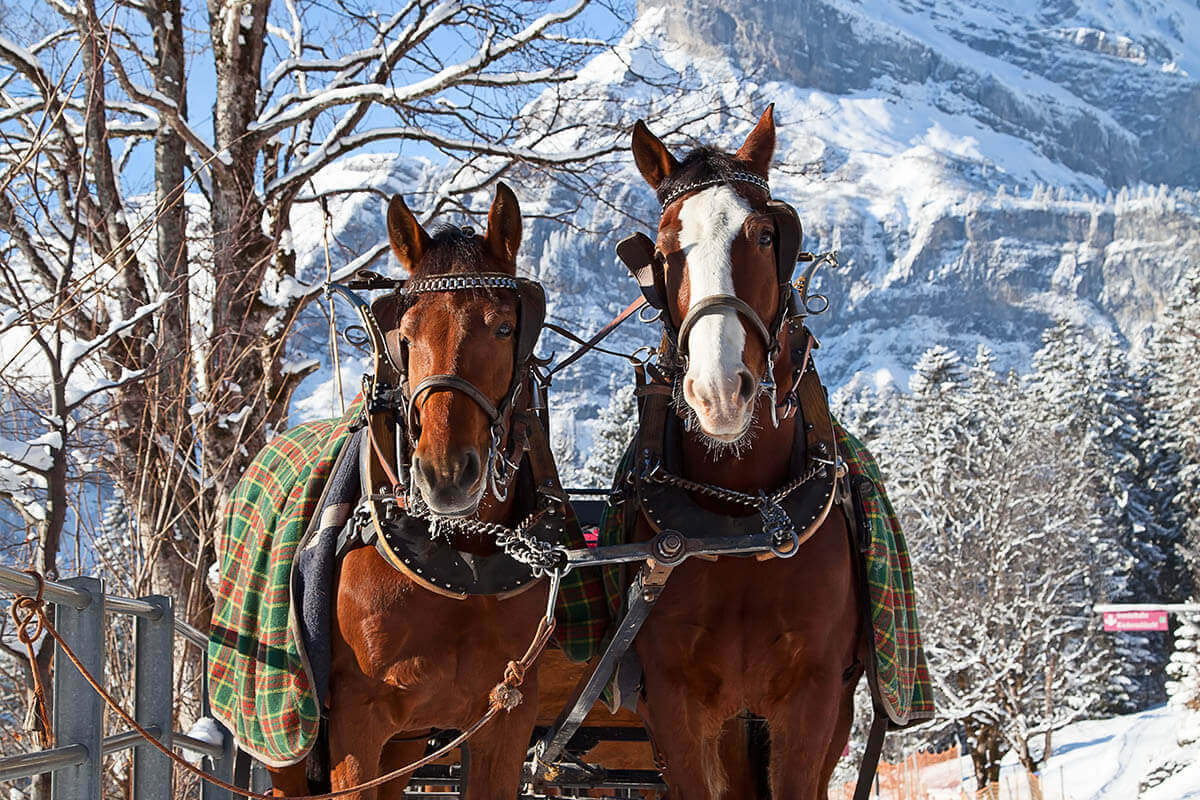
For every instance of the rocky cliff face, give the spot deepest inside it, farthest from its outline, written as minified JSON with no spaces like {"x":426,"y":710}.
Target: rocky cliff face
{"x":980,"y":167}
{"x":1106,"y":88}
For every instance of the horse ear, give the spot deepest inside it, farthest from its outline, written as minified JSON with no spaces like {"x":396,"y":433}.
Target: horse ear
{"x":651,"y":155}
{"x":504,"y":227}
{"x":408,"y":239}
{"x":759,"y":146}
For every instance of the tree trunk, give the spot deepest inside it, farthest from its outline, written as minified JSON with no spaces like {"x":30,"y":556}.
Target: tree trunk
{"x":985,"y":747}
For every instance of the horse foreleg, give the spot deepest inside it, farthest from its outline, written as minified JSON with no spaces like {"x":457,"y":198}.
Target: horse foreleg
{"x":841,"y":734}
{"x":498,"y":750}
{"x":397,"y":753}
{"x":687,"y":741}
{"x":289,"y":781}
{"x":357,"y":735}
{"x":803,"y":734}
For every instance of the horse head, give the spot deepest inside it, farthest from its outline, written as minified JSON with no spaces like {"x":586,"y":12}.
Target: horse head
{"x":460,"y":348}
{"x":721,"y":273}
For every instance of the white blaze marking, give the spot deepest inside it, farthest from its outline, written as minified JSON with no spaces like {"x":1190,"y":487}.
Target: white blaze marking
{"x":709,"y":222}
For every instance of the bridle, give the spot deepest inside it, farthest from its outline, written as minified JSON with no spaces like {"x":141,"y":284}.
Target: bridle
{"x":648,"y":265}
{"x":501,"y":466}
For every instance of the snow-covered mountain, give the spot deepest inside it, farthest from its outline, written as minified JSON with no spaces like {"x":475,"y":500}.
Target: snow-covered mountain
{"x":981,"y":167}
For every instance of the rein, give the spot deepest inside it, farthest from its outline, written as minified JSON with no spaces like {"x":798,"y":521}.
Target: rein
{"x":32,"y":619}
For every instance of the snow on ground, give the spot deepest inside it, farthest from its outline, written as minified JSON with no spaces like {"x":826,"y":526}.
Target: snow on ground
{"x":1095,"y":760}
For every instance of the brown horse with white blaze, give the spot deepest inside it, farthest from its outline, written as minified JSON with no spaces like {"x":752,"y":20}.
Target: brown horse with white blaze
{"x":734,"y":636}
{"x":405,"y":659}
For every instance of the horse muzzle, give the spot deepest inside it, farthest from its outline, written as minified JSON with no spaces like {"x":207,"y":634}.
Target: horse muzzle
{"x":723,"y":403}
{"x":451,"y":486}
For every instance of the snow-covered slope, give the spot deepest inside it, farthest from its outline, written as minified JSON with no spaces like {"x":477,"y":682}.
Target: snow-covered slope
{"x":981,"y":167}
{"x":1134,"y":757}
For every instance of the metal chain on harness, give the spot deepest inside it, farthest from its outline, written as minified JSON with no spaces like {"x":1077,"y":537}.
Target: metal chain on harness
{"x":542,"y":557}
{"x":776,"y":521}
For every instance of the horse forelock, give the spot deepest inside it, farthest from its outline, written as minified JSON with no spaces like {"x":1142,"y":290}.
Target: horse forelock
{"x":452,"y":251}
{"x":705,"y":164}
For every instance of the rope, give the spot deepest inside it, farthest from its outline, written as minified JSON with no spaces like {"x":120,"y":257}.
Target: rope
{"x":334,"y":354}
{"x":504,"y":696}
{"x":25,"y":612}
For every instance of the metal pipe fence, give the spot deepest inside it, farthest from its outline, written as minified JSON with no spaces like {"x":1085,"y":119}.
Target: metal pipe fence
{"x":75,"y":763}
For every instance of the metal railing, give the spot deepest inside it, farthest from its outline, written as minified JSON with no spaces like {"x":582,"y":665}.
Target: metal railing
{"x":76,"y":762}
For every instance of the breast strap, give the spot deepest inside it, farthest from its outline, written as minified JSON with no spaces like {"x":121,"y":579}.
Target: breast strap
{"x":668,"y":507}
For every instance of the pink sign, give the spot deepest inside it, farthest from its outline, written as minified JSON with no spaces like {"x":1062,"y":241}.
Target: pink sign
{"x":1135,"y":620}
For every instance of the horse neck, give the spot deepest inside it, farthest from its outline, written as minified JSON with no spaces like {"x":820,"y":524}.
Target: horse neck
{"x":766,"y":462}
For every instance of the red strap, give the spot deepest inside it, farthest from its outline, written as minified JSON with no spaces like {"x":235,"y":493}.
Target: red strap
{"x":600,"y":335}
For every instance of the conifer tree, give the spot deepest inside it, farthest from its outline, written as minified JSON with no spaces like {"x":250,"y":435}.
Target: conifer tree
{"x":614,"y":431}
{"x":1176,"y":404}
{"x":1098,"y":403}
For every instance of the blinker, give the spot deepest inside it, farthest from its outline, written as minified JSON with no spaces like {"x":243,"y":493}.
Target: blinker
{"x":641,"y":257}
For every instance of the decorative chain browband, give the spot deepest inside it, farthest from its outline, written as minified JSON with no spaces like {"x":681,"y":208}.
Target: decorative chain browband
{"x":735,"y":177}
{"x":449,"y":283}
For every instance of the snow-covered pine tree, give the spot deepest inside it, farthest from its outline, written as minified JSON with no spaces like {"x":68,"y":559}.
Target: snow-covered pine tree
{"x":1176,"y":402}
{"x":1183,"y":688}
{"x":1098,"y":404}
{"x":998,"y":512}
{"x":614,"y":430}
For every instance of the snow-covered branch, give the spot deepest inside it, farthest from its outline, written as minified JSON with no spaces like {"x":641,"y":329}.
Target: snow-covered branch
{"x":286,"y":114}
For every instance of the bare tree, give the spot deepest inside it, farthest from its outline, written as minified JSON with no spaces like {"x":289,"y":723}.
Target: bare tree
{"x":146,"y":256}
{"x":200,"y":274}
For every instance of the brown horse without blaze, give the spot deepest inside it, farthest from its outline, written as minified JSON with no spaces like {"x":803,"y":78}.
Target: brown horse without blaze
{"x":405,"y":659}
{"x":774,"y":638}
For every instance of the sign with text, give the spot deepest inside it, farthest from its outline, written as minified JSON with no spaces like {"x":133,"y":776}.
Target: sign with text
{"x":1154,"y":620}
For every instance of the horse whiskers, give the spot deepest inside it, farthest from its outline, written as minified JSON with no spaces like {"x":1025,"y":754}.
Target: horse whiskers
{"x":716,"y":448}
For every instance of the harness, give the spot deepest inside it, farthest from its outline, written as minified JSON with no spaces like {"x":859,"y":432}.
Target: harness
{"x":792,"y":513}
{"x":392,"y":516}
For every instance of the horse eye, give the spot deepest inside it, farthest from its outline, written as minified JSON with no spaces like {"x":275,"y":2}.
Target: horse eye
{"x":765,"y":239}
{"x":505,"y":329}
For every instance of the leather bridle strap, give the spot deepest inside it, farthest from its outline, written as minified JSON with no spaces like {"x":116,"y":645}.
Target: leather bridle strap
{"x":447,"y":383}
{"x":592,"y":343}
{"x":714,"y":304}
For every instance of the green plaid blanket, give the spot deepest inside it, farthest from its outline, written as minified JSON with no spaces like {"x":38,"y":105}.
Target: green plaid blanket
{"x":902,"y":675}
{"x":901,"y":672}
{"x":259,"y":685}
{"x":260,"y":682}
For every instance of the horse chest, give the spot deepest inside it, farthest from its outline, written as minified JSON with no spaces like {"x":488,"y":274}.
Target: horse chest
{"x":748,"y":628}
{"x":440,"y":656}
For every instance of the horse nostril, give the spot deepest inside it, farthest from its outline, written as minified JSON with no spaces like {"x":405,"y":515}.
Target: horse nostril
{"x":427,"y":473}
{"x":745,"y":386}
{"x":468,"y":469}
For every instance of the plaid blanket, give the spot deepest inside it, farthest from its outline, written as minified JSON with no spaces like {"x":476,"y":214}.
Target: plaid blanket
{"x":261,"y":680}
{"x":259,"y":684}
{"x":901,"y":673}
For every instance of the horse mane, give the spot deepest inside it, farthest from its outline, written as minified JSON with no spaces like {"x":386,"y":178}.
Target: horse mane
{"x":701,"y":164}
{"x":452,"y":251}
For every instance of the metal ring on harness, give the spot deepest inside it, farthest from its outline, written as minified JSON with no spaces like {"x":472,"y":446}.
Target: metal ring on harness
{"x":652,"y":318}
{"x":638,"y":360}
{"x":792,"y":547}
